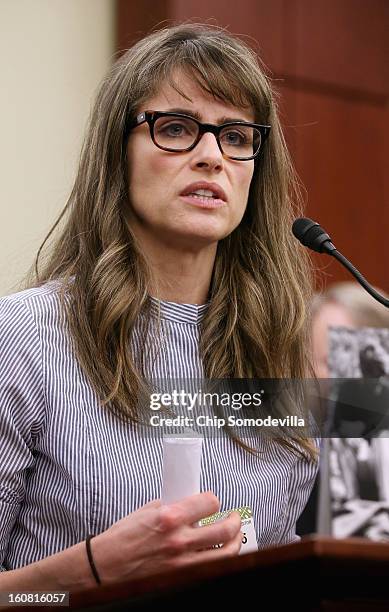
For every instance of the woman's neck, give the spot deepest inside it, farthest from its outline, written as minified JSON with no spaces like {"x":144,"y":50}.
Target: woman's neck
{"x":181,"y":276}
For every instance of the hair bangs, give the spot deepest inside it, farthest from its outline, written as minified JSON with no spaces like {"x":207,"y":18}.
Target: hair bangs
{"x":215,"y":74}
{"x":215,"y":82}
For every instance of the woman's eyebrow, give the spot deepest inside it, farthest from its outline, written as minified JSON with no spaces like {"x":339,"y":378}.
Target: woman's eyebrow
{"x":197,"y":115}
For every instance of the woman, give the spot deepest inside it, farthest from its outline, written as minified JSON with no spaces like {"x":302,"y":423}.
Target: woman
{"x":176,"y":261}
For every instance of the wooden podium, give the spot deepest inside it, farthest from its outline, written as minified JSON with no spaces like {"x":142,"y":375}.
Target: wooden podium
{"x":314,"y":574}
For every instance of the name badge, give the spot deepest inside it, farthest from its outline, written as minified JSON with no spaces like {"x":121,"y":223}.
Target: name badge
{"x":249,"y":538}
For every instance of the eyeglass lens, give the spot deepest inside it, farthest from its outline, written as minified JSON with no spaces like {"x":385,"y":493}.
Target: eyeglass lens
{"x":180,"y":133}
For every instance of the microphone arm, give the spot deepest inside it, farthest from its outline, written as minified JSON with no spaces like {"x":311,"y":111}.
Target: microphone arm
{"x":361,"y":279}
{"x":313,"y":236}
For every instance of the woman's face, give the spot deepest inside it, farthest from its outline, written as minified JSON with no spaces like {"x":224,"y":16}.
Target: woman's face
{"x":158,"y":179}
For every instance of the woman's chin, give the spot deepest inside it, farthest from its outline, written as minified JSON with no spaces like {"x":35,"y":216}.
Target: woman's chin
{"x":199,"y":236}
{"x":203,"y":231}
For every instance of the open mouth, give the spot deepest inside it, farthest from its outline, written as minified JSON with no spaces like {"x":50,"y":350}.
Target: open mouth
{"x":203,"y":193}
{"x":204,"y":201}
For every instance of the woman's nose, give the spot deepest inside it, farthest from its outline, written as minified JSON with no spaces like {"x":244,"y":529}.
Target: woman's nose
{"x":207,"y":152}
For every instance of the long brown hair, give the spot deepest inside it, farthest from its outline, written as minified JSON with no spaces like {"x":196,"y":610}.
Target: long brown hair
{"x":256,"y":323}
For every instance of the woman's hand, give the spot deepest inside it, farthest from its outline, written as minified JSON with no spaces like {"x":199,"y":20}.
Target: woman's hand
{"x":156,"y":538}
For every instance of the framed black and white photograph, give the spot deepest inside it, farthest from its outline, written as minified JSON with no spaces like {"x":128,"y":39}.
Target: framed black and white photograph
{"x":358,"y":446}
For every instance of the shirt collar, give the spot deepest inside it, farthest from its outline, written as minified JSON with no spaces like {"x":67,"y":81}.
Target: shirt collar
{"x":179,"y":313}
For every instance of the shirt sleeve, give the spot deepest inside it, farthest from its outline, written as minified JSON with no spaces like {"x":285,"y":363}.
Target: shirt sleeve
{"x":302,"y":478}
{"x":22,"y":409}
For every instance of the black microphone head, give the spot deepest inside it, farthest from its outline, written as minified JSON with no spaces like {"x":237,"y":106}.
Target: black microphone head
{"x":312,"y":235}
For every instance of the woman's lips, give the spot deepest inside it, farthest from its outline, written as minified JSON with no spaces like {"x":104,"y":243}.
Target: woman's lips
{"x":203,"y":202}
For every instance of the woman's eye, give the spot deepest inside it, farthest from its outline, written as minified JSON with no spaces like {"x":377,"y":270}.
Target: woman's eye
{"x":234,"y":137}
{"x":174,"y":129}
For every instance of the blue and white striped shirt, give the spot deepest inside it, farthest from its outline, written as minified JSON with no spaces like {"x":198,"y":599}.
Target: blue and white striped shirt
{"x":68,"y":467}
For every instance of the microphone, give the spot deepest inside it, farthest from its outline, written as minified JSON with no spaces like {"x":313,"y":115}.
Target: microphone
{"x":313,"y":236}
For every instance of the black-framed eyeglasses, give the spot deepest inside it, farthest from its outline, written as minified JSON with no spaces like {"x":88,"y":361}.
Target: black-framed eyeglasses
{"x":179,"y":133}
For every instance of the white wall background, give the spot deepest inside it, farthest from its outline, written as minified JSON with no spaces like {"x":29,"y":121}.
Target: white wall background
{"x":53,"y":54}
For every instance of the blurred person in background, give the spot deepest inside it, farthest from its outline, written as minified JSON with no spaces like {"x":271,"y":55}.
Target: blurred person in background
{"x":344,"y":304}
